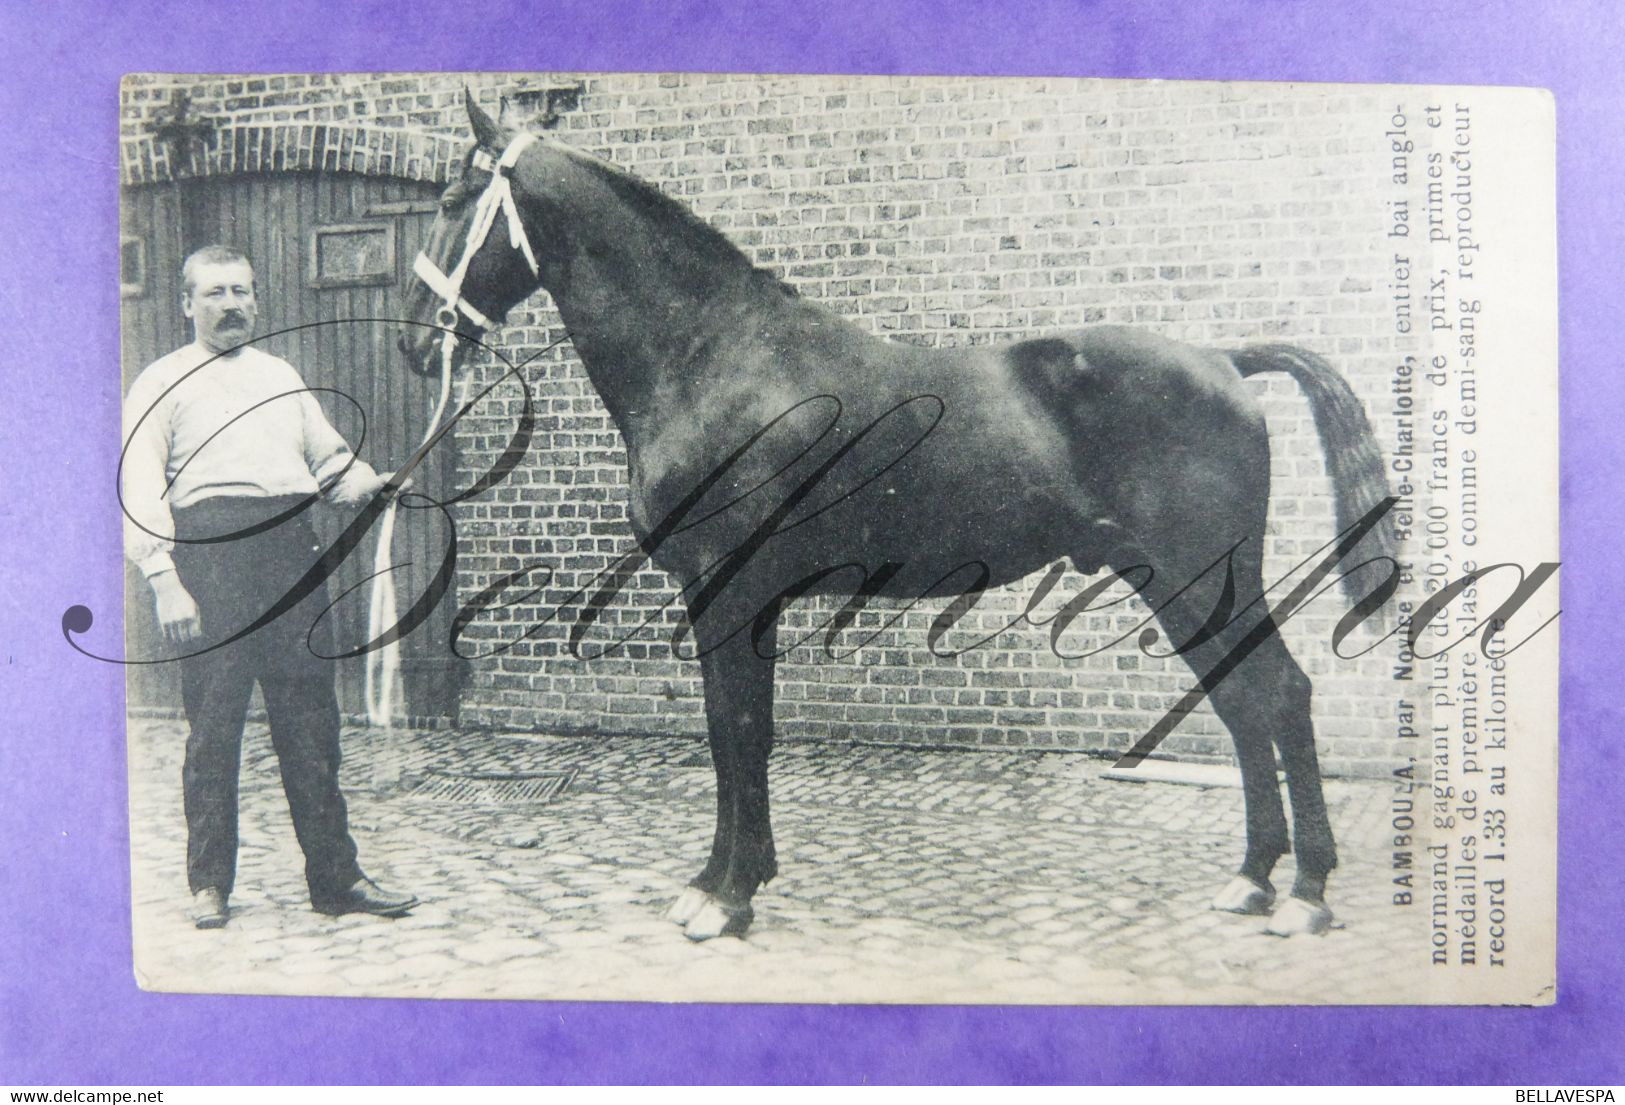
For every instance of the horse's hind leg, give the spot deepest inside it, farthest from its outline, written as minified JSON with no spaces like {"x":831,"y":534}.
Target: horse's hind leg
{"x":1263,"y":698}
{"x":739,"y":717}
{"x":1270,"y":690}
{"x":1312,"y":843}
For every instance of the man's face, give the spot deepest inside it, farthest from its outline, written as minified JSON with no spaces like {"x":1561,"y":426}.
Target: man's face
{"x":221,"y":304}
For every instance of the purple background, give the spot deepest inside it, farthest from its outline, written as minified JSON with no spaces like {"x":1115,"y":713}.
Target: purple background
{"x":69,"y":1008}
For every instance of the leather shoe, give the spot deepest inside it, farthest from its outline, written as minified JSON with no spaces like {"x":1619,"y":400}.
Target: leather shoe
{"x":365,"y":896}
{"x":209,"y":908}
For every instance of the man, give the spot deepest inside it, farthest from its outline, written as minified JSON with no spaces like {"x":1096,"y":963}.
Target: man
{"x":226,"y":452}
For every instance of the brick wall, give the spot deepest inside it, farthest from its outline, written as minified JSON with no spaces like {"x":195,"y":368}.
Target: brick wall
{"x":937,"y":212}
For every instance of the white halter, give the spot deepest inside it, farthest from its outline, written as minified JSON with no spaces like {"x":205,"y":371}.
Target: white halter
{"x":383,"y":664}
{"x":497,"y":197}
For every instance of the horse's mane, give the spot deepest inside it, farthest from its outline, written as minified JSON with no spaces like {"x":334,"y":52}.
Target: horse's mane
{"x":676,"y":217}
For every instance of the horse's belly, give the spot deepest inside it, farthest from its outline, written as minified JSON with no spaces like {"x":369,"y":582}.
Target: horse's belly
{"x":976,"y":503}
{"x":926,"y":550}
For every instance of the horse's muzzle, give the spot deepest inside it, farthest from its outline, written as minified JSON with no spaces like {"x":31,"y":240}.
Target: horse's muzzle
{"x":421,"y":348}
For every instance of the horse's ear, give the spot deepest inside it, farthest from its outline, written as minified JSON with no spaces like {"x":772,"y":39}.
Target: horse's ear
{"x":486,"y":132}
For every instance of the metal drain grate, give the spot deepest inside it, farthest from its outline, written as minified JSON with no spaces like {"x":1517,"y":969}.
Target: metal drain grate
{"x":491,"y":789}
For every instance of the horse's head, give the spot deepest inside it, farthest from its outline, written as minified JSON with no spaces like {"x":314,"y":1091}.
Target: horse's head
{"x":480,"y":258}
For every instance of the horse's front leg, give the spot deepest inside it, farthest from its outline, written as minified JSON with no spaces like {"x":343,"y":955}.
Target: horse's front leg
{"x":738,"y":676}
{"x":698,"y":893}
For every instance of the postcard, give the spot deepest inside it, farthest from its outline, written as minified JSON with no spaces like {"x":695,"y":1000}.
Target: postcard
{"x":870,"y":539}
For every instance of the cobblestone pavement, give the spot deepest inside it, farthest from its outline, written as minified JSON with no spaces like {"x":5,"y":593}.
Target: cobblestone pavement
{"x":906,"y":875}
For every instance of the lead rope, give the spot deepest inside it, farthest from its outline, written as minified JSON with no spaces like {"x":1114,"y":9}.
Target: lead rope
{"x":384,"y":663}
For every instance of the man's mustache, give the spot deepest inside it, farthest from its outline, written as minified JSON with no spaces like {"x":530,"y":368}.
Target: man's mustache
{"x":233,"y":318}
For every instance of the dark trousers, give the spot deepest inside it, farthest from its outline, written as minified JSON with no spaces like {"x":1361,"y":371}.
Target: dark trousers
{"x":234,"y":583}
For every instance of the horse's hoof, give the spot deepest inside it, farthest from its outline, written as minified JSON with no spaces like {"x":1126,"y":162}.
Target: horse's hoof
{"x":1243,"y":895}
{"x":1297,"y":917}
{"x":687,"y":906}
{"x":716,"y":919}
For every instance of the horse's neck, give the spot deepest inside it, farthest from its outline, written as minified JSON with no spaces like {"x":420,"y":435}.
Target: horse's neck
{"x":644,"y":308}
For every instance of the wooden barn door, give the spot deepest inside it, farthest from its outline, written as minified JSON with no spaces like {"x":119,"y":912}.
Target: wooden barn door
{"x":329,"y":248}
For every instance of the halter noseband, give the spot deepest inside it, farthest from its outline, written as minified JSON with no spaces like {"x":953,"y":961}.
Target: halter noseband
{"x":497,"y":197}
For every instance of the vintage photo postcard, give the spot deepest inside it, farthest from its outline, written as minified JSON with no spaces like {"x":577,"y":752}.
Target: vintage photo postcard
{"x":781,"y":539}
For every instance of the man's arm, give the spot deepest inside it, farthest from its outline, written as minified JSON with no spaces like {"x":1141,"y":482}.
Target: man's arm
{"x":328,"y":454}
{"x":149,"y":527}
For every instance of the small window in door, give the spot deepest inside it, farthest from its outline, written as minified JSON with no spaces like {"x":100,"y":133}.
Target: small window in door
{"x":352,"y":254}
{"x":132,"y":266}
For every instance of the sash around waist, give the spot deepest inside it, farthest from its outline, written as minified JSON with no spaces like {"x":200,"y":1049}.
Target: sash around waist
{"x":220,"y":516}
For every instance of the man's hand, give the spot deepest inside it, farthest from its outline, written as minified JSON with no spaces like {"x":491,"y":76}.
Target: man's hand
{"x":357,"y":488}
{"x":177,"y":612}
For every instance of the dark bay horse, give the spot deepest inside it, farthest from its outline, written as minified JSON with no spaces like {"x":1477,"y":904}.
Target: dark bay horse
{"x":777,"y":450}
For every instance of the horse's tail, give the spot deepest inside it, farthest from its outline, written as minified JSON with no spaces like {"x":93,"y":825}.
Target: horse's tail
{"x":1358,"y":477}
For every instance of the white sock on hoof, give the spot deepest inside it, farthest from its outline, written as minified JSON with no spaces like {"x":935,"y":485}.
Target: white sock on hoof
{"x":1243,"y":895}
{"x":687,"y":906}
{"x":714,"y":920}
{"x":1297,"y":917}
